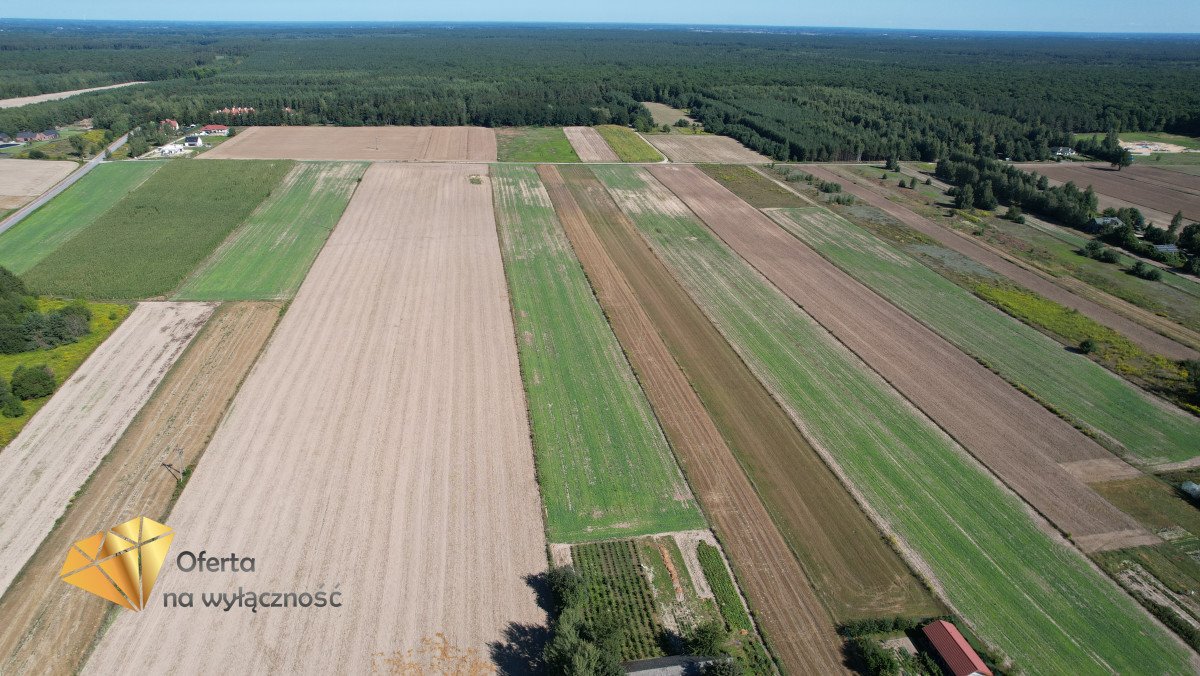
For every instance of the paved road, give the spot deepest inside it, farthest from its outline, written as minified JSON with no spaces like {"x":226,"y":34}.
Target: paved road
{"x":62,"y":185}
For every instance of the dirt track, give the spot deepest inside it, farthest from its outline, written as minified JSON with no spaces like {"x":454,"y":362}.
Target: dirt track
{"x":54,"y":96}
{"x":1017,"y":274}
{"x":801,"y":631}
{"x":49,"y":625}
{"x":589,"y":145}
{"x":704,"y":149}
{"x":1132,"y":185}
{"x":64,"y":442}
{"x":1010,"y":433}
{"x":23,"y":180}
{"x":403,"y":144}
{"x":852,"y":567}
{"x":379,"y":447}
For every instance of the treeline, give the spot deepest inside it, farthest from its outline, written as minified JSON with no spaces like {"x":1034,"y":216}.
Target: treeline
{"x":24,"y":328}
{"x":837,"y":95}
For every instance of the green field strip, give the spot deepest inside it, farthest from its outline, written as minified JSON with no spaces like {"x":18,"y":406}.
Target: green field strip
{"x":1031,"y":596}
{"x":150,"y":240}
{"x":603,"y":463}
{"x":77,"y":207}
{"x":1150,"y":431}
{"x":268,"y":257}
{"x":534,"y":144}
{"x":628,"y":145}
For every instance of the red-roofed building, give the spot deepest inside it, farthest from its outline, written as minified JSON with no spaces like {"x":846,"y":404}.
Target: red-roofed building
{"x":215,"y":130}
{"x":954,"y":650}
{"x":170,"y":124}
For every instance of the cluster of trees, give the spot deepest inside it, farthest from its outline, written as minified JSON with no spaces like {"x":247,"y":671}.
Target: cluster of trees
{"x":843,"y":95}
{"x":1108,"y":150}
{"x":24,"y":328}
{"x":983,"y":182}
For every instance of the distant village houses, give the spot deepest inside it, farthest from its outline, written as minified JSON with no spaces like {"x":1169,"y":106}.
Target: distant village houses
{"x":234,"y":111}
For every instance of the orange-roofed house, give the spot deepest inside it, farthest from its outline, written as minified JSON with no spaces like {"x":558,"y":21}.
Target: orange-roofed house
{"x":170,"y":124}
{"x":954,"y":650}
{"x":215,"y":130}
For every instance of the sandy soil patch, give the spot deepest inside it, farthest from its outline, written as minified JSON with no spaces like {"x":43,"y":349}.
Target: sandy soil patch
{"x":791,"y":614}
{"x":1014,"y":436}
{"x":1151,"y":147}
{"x":589,"y":145}
{"x":402,"y":144}
{"x":1101,"y":469}
{"x":1022,"y":276}
{"x":60,"y":447}
{"x":23,"y":180}
{"x":704,"y":149}
{"x":379,"y":447}
{"x":26,"y":100}
{"x":50,"y":625}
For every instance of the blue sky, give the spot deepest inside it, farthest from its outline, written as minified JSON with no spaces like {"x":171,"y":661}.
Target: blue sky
{"x":1175,"y":16}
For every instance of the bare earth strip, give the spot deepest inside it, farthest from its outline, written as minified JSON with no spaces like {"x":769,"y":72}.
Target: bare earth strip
{"x":50,"y":625}
{"x":1010,"y":433}
{"x":1128,"y":185}
{"x":39,"y":98}
{"x":379,"y":447}
{"x":1188,"y":183}
{"x":704,"y":148}
{"x":23,"y":180}
{"x":799,"y":627}
{"x":1017,"y":274}
{"x":56,"y":452}
{"x":403,"y":144}
{"x":590,"y":145}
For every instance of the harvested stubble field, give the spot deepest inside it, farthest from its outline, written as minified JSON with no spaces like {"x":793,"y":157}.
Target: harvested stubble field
{"x":268,"y":256}
{"x":590,"y":145}
{"x":1012,"y":434}
{"x":148,"y":242}
{"x":1036,"y":282}
{"x":628,"y":145}
{"x":604,"y":467}
{"x":23,"y":180}
{"x":1145,"y":189}
{"x":50,"y":625}
{"x":534,"y":144}
{"x":43,"y":231}
{"x":1150,"y":430}
{"x":54,"y":455}
{"x":705,"y":148}
{"x":854,"y":570}
{"x":1024,"y":590}
{"x":380,"y":444}
{"x":403,"y":144}
{"x":772,"y":578}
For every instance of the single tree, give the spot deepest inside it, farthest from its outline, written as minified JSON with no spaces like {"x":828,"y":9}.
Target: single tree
{"x":1088,"y":346}
{"x":965,"y":199}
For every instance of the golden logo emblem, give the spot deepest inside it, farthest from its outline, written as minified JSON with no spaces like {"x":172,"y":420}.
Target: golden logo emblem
{"x":122,"y":564}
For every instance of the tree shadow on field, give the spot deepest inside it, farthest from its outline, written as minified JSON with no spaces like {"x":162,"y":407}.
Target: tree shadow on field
{"x":520,"y":651}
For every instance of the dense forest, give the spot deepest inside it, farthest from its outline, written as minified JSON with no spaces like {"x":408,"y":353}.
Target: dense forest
{"x":793,"y":95}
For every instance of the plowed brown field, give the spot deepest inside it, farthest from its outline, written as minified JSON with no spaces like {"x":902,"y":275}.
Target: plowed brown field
{"x":704,"y":148}
{"x":852,"y":567}
{"x":64,"y":442}
{"x":405,"y":144}
{"x":380,"y":448}
{"x":589,"y":145}
{"x":1022,"y":276}
{"x":23,"y":180}
{"x":49,"y":625}
{"x":801,"y":631}
{"x":1014,"y":436}
{"x":1132,"y":185}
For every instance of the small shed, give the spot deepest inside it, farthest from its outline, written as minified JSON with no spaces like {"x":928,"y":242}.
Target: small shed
{"x":1166,"y":248}
{"x":956,"y":653}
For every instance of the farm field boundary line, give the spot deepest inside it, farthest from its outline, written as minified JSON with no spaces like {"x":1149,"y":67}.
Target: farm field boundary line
{"x":411,"y":396}
{"x":794,"y":619}
{"x":978,"y":544}
{"x":975,"y":406}
{"x":1020,"y":275}
{"x":853,"y":568}
{"x":62,"y":445}
{"x":50,"y":626}
{"x":1150,"y":430}
{"x":604,"y":466}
